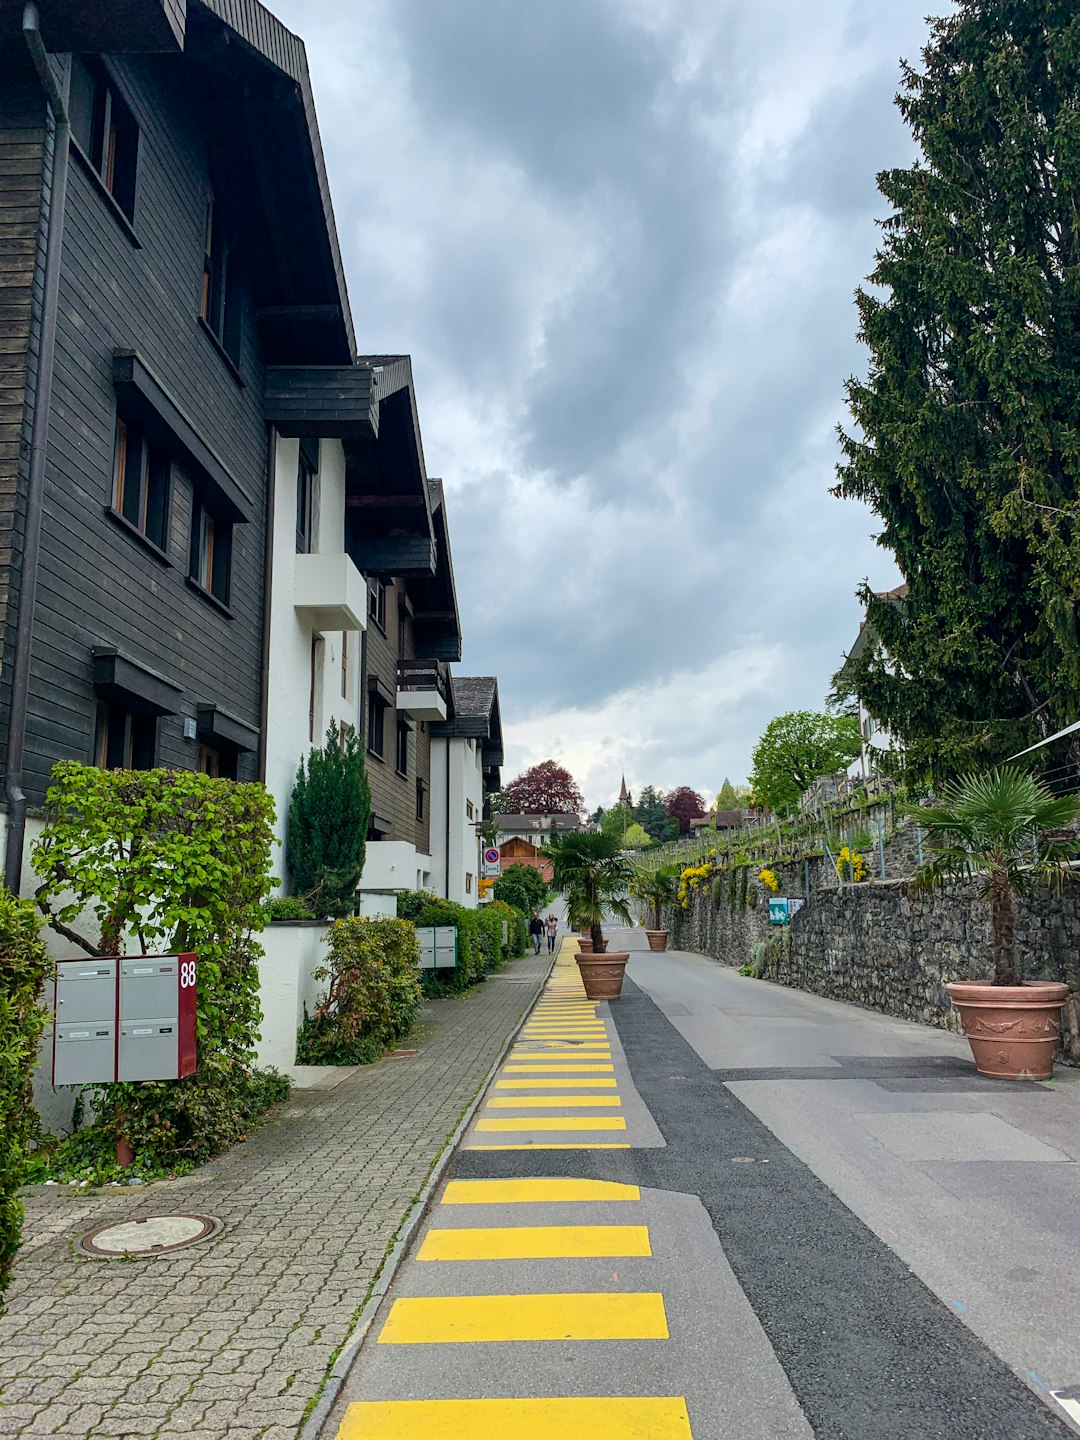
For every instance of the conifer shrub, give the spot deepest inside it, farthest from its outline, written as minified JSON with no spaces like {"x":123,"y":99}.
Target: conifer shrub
{"x":328,"y":820}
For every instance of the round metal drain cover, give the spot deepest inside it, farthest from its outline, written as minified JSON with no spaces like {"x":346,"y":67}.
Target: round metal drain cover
{"x":152,"y":1236}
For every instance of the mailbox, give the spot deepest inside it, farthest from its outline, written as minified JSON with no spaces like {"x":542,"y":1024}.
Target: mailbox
{"x":438,"y":946}
{"x":130,"y":1017}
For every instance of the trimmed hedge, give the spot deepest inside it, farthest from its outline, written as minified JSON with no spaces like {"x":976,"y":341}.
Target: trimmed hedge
{"x":517,"y":926}
{"x":24,"y":964}
{"x":479,"y":937}
{"x":373,"y":996}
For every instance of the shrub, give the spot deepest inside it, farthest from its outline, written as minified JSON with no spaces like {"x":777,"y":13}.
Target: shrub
{"x":179,"y":861}
{"x":373,"y":994}
{"x":328,"y":820}
{"x":517,"y":925}
{"x":287,"y":907}
{"x":24,"y":964}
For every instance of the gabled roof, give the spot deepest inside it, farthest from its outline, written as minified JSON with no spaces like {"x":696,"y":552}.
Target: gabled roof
{"x":896,"y":596}
{"x":474,"y":704}
{"x":537,"y":822}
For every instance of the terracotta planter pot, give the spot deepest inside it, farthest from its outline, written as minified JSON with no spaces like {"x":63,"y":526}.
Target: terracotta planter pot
{"x":1013,"y":1030}
{"x":657,"y":939}
{"x":602,"y":975}
{"x":585,"y":945}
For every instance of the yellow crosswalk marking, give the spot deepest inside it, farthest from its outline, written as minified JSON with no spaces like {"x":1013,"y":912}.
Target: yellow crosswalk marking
{"x":555,"y":1068}
{"x":480,"y":1319}
{"x":603,"y":1418}
{"x":536,"y":1242}
{"x":565,"y":1122}
{"x":557,"y":1145}
{"x":599,"y":1082}
{"x":536,"y":1192}
{"x":547,"y":1102}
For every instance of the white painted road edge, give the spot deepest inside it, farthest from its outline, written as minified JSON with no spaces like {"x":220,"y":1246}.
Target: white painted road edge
{"x":406,"y":1233}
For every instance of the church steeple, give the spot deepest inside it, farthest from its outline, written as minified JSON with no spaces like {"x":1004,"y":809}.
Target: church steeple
{"x":624,"y":794}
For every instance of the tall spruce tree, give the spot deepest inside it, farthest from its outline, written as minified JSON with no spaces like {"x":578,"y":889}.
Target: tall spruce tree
{"x":968,"y":438}
{"x":328,"y":820}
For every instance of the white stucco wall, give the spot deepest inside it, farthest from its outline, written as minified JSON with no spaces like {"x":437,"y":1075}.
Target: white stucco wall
{"x":288,"y":735}
{"x":457,"y":764}
{"x":395,"y":865}
{"x":291,"y":955}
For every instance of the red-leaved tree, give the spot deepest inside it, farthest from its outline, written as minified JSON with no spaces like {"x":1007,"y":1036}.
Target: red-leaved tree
{"x":544,"y":789}
{"x":684,"y":805}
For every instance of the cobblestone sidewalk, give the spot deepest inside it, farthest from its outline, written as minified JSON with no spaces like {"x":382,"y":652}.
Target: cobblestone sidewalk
{"x":232,"y":1337}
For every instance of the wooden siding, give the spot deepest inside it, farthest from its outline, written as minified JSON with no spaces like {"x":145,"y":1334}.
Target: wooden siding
{"x":393,"y":796}
{"x":98,"y":584}
{"x":25,"y":145}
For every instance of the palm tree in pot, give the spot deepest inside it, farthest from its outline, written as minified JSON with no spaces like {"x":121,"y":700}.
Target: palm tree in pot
{"x":655,"y":889}
{"x":999,"y":829}
{"x":588,"y":869}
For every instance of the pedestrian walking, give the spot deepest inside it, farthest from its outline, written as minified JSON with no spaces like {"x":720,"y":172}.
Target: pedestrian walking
{"x":536,"y":930}
{"x":551,"y":925}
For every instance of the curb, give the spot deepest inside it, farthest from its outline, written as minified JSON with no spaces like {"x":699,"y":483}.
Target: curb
{"x":335,"y":1380}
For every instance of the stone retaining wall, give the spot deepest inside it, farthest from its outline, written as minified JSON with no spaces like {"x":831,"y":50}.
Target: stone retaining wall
{"x":878,"y":945}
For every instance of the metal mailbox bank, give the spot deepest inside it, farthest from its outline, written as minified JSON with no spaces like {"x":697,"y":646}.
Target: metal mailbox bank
{"x":127,"y":1017}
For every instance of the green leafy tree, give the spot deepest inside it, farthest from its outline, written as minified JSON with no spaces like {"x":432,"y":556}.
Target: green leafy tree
{"x":651,"y":813}
{"x":328,"y":820}
{"x":617,"y":821}
{"x":1000,"y":829}
{"x":636,"y":838}
{"x":732,"y":797}
{"x":522,"y":886}
{"x":796,"y":749}
{"x":967,"y":428}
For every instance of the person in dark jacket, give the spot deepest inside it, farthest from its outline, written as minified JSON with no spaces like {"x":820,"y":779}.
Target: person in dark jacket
{"x":536,"y":930}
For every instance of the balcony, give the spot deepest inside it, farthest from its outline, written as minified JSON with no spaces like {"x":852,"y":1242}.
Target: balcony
{"x":329,"y":592}
{"x":421,"y":690}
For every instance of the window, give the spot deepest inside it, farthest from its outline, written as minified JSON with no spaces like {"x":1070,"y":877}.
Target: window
{"x":211,"y":549}
{"x":469,"y":811}
{"x":377,"y":603}
{"x":468,"y":883}
{"x":306,"y":471}
{"x":376,"y":714}
{"x":402,"y":756}
{"x":220,"y":302}
{"x":140,"y":484}
{"x":344,"y":664}
{"x":420,"y":789}
{"x":209,"y":760}
{"x":125,"y":739}
{"x":105,"y":131}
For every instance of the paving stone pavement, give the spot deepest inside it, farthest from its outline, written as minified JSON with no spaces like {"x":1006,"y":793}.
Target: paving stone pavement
{"x":232,"y":1337}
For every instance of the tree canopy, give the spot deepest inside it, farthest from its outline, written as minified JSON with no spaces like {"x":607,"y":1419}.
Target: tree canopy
{"x":617,"y":821}
{"x":684,"y":805}
{"x":732,"y":797}
{"x":967,"y":428}
{"x":544,"y":789}
{"x":651,"y":813}
{"x":636,"y":838}
{"x":796,"y":749}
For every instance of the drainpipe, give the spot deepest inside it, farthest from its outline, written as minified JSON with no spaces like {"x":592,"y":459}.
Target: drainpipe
{"x":268,"y":591}
{"x":39,"y":435}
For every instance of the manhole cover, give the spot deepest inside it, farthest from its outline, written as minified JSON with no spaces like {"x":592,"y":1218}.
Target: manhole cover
{"x":151,"y":1236}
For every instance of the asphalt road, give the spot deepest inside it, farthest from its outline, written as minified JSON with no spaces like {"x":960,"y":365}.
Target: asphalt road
{"x":680,"y":1215}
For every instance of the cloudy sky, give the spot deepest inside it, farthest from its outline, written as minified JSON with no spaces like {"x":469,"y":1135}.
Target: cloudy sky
{"x":620,"y":240}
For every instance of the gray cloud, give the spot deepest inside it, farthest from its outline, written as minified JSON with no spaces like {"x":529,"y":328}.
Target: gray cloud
{"x":621,"y":240}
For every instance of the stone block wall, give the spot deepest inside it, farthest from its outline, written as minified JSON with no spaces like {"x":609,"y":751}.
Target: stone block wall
{"x":880,"y":946}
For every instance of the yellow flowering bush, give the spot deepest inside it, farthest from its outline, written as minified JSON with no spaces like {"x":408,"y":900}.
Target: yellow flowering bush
{"x":768,"y":878}
{"x":852,"y":862}
{"x":693,"y":878}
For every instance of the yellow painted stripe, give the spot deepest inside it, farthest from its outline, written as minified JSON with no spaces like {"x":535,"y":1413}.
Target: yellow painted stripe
{"x":536,"y":1242}
{"x":599,"y":1082}
{"x":557,"y":1145}
{"x":606,"y":1418}
{"x":565,"y":1122}
{"x":482,"y":1319}
{"x":556,"y":1069}
{"x":548,"y":1102}
{"x":535,"y":1192}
